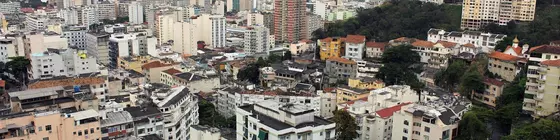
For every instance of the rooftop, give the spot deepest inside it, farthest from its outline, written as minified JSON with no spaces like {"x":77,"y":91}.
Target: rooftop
{"x":555,"y":63}
{"x":546,"y":49}
{"x":172,"y":71}
{"x":85,"y":114}
{"x":65,"y":81}
{"x":34,"y":93}
{"x":143,"y":111}
{"x":278,"y":125}
{"x":503,"y":56}
{"x":355,"y":39}
{"x":376,"y":44}
{"x":114,"y":118}
{"x":422,"y":43}
{"x":341,"y":60}
{"x":493,"y":81}
{"x":388,"y":112}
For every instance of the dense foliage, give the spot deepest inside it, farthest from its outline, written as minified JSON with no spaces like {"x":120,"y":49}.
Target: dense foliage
{"x":543,"y":29}
{"x":17,"y":66}
{"x":209,"y":116}
{"x":251,"y":72}
{"x":398,"y":66}
{"x":345,"y":125}
{"x":448,"y":78}
{"x":542,"y":130}
{"x":397,"y":19}
{"x":472,"y":127}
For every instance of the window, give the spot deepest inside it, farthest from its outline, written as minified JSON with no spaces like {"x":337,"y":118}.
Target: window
{"x":46,"y":138}
{"x":40,"y":128}
{"x":48,"y":128}
{"x":404,"y":138}
{"x":427,"y":129}
{"x":79,"y":133}
{"x":405,"y":130}
{"x":86,"y":132}
{"x":405,"y":122}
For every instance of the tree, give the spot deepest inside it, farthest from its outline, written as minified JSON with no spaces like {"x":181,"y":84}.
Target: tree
{"x":471,"y":81}
{"x":345,"y":125}
{"x":472,"y":128}
{"x":544,"y":129}
{"x":209,"y":116}
{"x":273,"y":58}
{"x":502,"y":44}
{"x":447,"y":78}
{"x":287,"y":55}
{"x":249,"y":73}
{"x":318,"y":34}
{"x":17,"y":66}
{"x":398,"y":67}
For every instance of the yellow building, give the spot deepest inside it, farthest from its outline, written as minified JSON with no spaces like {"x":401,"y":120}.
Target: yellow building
{"x":493,"y":90}
{"x":345,"y":94}
{"x":331,"y":47}
{"x":365,"y":83}
{"x":134,"y":62}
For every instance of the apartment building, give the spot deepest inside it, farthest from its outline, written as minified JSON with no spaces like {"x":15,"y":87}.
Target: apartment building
{"x":76,"y":36}
{"x":117,"y":125}
{"x":331,"y":47}
{"x":254,"y":18}
{"x":7,"y":49}
{"x":164,"y":28}
{"x":314,"y":22}
{"x":375,"y":49}
{"x":328,"y":102}
{"x":290,"y":20}
{"x":212,"y":29}
{"x":434,"y":119}
{"x":148,"y":120}
{"x":35,"y":22}
{"x":152,"y":70}
{"x":10,"y":7}
{"x":17,"y":47}
{"x":180,"y":105}
{"x":51,"y":125}
{"x":354,"y":47}
{"x":493,"y":89}
{"x":97,"y":45}
{"x":485,"y":41}
{"x":541,"y":90}
{"x":229,"y":98}
{"x":281,"y":121}
{"x":134,"y":63}
{"x":367,"y":69}
{"x":441,"y":53}
{"x":340,"y":69}
{"x":478,"y":13}
{"x":106,"y":10}
{"x":37,"y":42}
{"x":70,"y":15}
{"x":340,"y":14}
{"x":135,"y":13}
{"x":256,"y":40}
{"x":131,"y":44}
{"x":54,"y":63}
{"x":87,"y":15}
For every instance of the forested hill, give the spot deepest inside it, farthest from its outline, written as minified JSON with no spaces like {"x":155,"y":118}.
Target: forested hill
{"x":398,"y":18}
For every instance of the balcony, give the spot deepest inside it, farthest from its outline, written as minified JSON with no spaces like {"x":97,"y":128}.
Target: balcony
{"x":541,"y":80}
{"x":543,"y":70}
{"x":538,"y":97}
{"x":541,"y":89}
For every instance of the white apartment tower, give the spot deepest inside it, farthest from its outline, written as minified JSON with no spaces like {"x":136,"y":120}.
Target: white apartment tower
{"x":136,"y":13}
{"x":256,"y":40}
{"x":212,"y":29}
{"x":76,"y":36}
{"x":106,"y":10}
{"x":277,"y":121}
{"x":133,"y":44}
{"x":185,"y":38}
{"x":70,"y":16}
{"x":181,"y":109}
{"x":87,"y":16}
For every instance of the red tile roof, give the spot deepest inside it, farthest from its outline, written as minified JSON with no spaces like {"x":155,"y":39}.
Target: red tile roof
{"x":469,"y":45}
{"x":376,"y":45}
{"x":354,"y":101}
{"x":423,"y":43}
{"x":355,"y":39}
{"x":402,"y":39}
{"x":156,"y":64}
{"x":388,"y":112}
{"x":551,"y":63}
{"x":328,"y":39}
{"x":517,"y":50}
{"x":67,"y":82}
{"x":493,"y":81}
{"x":341,"y":60}
{"x":172,"y":71}
{"x":546,"y":49}
{"x":329,"y":89}
{"x":447,"y":44}
{"x":503,"y":56}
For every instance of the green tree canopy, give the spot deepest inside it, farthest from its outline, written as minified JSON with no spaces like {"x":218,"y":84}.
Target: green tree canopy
{"x":472,"y":80}
{"x":17,"y":66}
{"x":472,"y":128}
{"x":448,"y":78}
{"x":398,"y":68}
{"x":544,"y":129}
{"x":345,"y":125}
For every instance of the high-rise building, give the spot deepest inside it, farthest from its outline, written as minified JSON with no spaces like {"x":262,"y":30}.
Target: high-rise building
{"x":478,"y":13}
{"x":106,"y":10}
{"x":133,"y":44}
{"x":76,"y":36}
{"x":70,"y":16}
{"x":185,"y":38}
{"x":290,"y":20}
{"x":164,"y":28}
{"x":314,"y":22}
{"x":255,"y":19}
{"x":136,"y":13}
{"x":87,"y":16}
{"x":542,"y":95}
{"x":97,"y":46}
{"x":212,"y":29}
{"x":9,"y":7}
{"x":256,"y":40}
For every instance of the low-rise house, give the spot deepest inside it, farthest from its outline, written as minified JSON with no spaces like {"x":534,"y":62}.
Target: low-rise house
{"x":375,"y":49}
{"x":365,"y":83}
{"x":346,"y":94}
{"x":441,"y":53}
{"x":51,"y":125}
{"x":134,"y":63}
{"x":331,"y":47}
{"x":117,"y":125}
{"x":493,"y":89}
{"x":273,"y":120}
{"x":328,"y":102}
{"x":302,"y":47}
{"x":194,"y":82}
{"x":354,"y":47}
{"x":153,"y":70}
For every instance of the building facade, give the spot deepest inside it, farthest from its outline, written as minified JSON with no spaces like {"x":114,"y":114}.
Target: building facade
{"x":354,"y":48}
{"x":331,"y":47}
{"x":478,"y":13}
{"x":290,"y":20}
{"x":97,"y":45}
{"x":256,"y":40}
{"x":55,"y":63}
{"x":340,"y":69}
{"x":135,"y":13}
{"x":541,"y":89}
{"x":76,"y":36}
{"x":485,"y":41}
